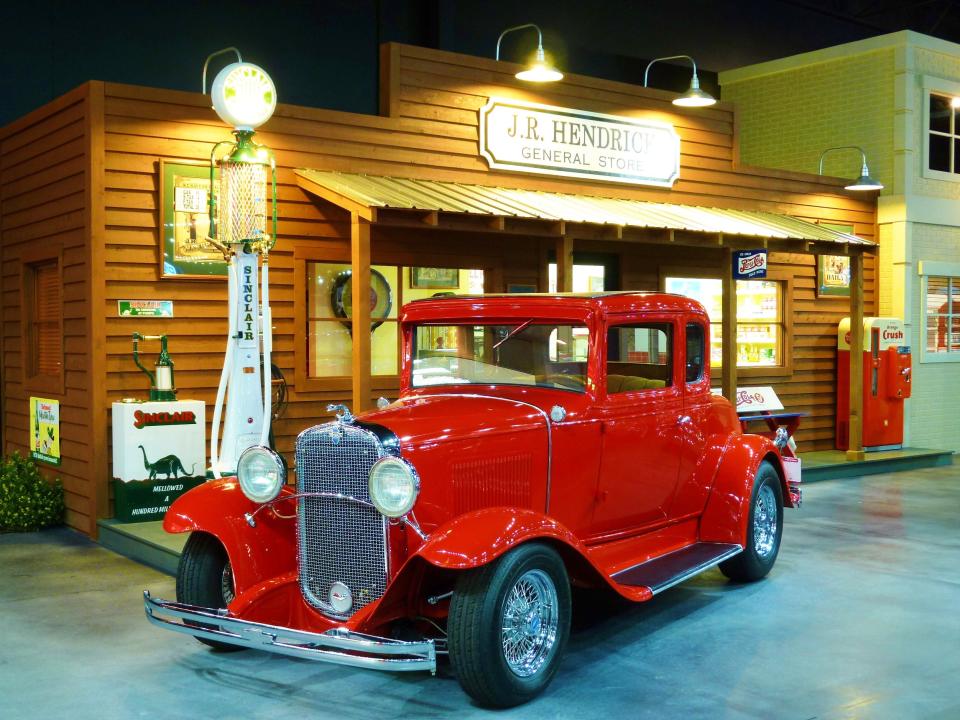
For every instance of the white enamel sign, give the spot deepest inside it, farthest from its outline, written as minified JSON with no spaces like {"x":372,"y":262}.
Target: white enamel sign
{"x":159,"y":440}
{"x":755,"y":399}
{"x":532,"y":138}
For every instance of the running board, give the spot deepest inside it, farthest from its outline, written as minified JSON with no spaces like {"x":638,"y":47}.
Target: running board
{"x":673,"y":568}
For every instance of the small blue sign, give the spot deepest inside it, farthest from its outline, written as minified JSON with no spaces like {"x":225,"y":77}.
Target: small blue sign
{"x":749,"y":264}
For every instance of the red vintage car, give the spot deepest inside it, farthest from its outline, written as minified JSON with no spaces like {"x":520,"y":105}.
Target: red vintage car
{"x":539,"y":442}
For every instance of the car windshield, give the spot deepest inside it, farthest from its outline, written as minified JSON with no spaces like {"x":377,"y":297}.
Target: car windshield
{"x":526,"y":352}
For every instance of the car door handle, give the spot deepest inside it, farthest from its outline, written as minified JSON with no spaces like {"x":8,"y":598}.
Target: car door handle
{"x":684,"y":419}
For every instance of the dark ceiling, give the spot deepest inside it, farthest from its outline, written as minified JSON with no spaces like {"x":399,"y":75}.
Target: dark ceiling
{"x":940,"y":18}
{"x":323,"y":53}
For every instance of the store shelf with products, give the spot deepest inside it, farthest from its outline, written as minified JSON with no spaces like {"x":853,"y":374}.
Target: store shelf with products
{"x":759,"y":328}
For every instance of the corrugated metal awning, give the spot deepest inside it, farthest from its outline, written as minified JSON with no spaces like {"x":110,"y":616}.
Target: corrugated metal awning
{"x":355,"y":192}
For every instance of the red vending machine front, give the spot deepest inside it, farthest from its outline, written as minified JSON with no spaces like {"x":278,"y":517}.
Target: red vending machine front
{"x":886,"y":383}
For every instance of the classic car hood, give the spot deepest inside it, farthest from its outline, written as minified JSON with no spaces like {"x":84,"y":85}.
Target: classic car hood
{"x":424,"y":419}
{"x":471,"y":451}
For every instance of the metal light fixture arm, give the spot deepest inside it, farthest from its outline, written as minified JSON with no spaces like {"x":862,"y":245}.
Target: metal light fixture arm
{"x":695,"y":83}
{"x":863,"y":157}
{"x":540,"y":56}
{"x":211,"y":57}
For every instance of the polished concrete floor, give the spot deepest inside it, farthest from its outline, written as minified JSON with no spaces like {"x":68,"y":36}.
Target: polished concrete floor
{"x":859,"y":619}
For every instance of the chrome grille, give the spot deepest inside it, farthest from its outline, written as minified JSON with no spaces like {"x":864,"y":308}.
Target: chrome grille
{"x":339,"y":539}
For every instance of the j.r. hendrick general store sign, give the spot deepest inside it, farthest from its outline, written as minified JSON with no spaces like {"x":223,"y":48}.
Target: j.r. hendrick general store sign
{"x":527,"y":137}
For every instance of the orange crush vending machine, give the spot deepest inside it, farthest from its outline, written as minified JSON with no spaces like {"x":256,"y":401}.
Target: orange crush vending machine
{"x":886,"y":383}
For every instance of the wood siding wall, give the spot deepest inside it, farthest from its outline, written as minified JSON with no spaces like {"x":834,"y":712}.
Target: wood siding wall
{"x":45,"y":177}
{"x":433,"y":98}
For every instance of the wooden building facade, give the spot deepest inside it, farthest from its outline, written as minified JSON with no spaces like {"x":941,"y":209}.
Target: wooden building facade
{"x":80,"y":193}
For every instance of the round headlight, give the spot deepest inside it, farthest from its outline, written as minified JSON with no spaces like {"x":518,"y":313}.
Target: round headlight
{"x":394,"y":486}
{"x":262,"y":473}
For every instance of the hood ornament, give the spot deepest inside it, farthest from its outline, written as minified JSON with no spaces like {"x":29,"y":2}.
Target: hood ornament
{"x":344,"y":416}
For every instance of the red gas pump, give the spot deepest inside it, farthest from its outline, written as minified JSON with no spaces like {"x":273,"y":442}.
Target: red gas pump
{"x":886,"y":383}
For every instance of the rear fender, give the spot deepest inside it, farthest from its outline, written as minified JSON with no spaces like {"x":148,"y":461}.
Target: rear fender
{"x":256,"y":553}
{"x":727,"y":511}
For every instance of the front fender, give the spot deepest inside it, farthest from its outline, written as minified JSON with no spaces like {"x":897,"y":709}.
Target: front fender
{"x":218,"y":508}
{"x":728,"y":507}
{"x":482,"y":536}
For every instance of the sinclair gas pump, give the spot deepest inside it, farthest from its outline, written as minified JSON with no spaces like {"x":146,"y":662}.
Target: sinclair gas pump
{"x":241,"y":214}
{"x":886,"y":382}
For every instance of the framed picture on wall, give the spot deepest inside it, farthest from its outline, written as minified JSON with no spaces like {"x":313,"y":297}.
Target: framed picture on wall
{"x":185,"y":223}
{"x":833,"y":276}
{"x":833,"y":271}
{"x":435,"y":278}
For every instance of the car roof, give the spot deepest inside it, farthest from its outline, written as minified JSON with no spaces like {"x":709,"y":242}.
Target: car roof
{"x":547,"y":305}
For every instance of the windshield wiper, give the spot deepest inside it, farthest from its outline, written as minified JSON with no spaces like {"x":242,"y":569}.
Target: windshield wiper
{"x":513,"y":332}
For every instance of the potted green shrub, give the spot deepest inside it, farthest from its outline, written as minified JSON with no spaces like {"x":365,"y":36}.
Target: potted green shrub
{"x":28,"y":501}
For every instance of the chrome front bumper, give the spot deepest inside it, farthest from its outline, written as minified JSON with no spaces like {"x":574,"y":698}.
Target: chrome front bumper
{"x":339,"y":646}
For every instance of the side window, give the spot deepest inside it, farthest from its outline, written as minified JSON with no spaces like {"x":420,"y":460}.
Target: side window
{"x":639,"y":357}
{"x":695,"y":348}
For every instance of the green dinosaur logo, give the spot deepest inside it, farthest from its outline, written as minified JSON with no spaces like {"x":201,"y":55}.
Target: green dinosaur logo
{"x":169,"y":465}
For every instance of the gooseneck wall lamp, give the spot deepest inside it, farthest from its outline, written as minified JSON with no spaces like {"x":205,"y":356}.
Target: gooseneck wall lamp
{"x":539,"y":70}
{"x":864,"y":182}
{"x":694,"y":97}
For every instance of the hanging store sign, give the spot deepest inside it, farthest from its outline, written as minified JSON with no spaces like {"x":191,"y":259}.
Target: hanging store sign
{"x":145,"y":308}
{"x":527,"y":137}
{"x":45,"y":430}
{"x":749,"y":264}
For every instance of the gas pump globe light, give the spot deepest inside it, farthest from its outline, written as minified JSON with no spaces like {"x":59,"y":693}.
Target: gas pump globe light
{"x":243,"y":95}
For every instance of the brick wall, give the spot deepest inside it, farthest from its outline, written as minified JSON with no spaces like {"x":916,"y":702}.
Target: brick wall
{"x":788,"y":118}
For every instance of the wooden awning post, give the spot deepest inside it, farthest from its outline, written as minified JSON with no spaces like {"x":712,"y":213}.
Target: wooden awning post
{"x":855,"y":442}
{"x":565,"y":264}
{"x":729,"y":329}
{"x":360,"y":298}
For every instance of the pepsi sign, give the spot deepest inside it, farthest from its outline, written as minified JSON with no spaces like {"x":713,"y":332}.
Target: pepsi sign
{"x":749,"y":264}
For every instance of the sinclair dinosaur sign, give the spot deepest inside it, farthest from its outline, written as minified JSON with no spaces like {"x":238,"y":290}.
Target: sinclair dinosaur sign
{"x":159,"y":452}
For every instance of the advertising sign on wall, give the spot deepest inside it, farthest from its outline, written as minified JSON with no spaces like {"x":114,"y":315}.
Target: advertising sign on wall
{"x":833,"y":276}
{"x":145,"y":308}
{"x":45,"y":430}
{"x":749,"y":264}
{"x":533,"y":138}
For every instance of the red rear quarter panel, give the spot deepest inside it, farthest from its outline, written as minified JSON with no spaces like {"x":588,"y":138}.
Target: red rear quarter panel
{"x":725,"y":517}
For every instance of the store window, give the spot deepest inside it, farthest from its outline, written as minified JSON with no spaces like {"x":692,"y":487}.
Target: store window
{"x":761,"y":328}
{"x":639,"y":357}
{"x":586,"y":278}
{"x":942,"y":323}
{"x":330,"y":326}
{"x":43,"y":322}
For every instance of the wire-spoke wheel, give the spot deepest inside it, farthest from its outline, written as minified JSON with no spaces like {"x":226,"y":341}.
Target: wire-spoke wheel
{"x":529,"y":626}
{"x":508,"y":625}
{"x":765,"y":523}
{"x":764,"y":529}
